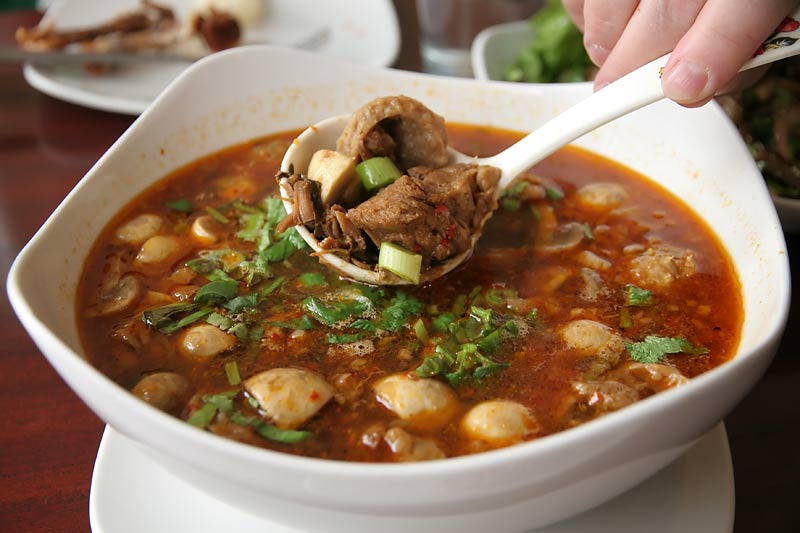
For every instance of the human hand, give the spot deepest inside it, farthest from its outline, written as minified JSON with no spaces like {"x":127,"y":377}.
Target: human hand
{"x":709,"y":39}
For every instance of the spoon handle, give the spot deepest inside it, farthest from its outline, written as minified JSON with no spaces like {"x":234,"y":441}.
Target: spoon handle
{"x":629,"y":93}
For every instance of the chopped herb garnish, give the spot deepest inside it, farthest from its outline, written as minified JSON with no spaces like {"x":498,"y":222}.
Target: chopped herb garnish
{"x":442,"y":322}
{"x":232,"y":373}
{"x":653,"y":348}
{"x":303,"y":323}
{"x":625,"y":318}
{"x":240,"y":303}
{"x":553,"y":193}
{"x":420,"y":330}
{"x":330,"y":314}
{"x":343,"y":338}
{"x":216,"y":215}
{"x":212,"y":403}
{"x":183,"y":205}
{"x":272,"y":287}
{"x":163,"y":318}
{"x":364,"y":325}
{"x":637,"y":297}
{"x":311,"y":279}
{"x":587,"y":231}
{"x":400,"y":310}
{"x":216,"y":292}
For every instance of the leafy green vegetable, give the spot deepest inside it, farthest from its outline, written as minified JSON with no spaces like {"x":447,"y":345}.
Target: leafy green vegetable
{"x":303,"y":323}
{"x":330,"y":314}
{"x":311,"y":279}
{"x":653,"y":348}
{"x":400,"y":310}
{"x":343,"y":338}
{"x":637,"y":297}
{"x":556,"y":53}
{"x":240,"y":303}
{"x":182,"y":206}
{"x":215,"y":292}
{"x":212,"y":403}
{"x":162,"y":318}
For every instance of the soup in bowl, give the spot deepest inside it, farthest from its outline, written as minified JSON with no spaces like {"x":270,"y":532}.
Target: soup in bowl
{"x":612,"y":313}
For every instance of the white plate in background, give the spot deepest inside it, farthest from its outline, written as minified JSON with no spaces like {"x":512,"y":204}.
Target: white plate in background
{"x":360,"y":31}
{"x":131,"y":494}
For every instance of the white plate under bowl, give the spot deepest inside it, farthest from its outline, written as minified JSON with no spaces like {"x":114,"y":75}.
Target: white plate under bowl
{"x":361,"y":31}
{"x":131,"y":493}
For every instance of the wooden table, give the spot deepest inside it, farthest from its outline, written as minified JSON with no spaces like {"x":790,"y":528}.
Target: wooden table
{"x":48,"y":438}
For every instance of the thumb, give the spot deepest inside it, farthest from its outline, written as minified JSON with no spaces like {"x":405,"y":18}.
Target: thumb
{"x":725,"y":35}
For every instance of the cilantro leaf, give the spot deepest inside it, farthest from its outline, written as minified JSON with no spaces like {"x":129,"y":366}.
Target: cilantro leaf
{"x":637,"y":297}
{"x":653,"y":348}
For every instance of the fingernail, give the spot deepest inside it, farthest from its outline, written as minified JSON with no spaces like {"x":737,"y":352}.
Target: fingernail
{"x":597,"y":53}
{"x":686,"y":82}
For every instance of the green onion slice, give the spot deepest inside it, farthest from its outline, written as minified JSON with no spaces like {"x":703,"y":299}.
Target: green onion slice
{"x":377,"y":172}
{"x":405,"y":264}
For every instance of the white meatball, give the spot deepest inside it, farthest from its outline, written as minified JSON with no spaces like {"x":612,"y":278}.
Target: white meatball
{"x":590,"y":337}
{"x":661,"y":265}
{"x":139,"y":229}
{"x":499,"y":422}
{"x":601,"y":195}
{"x":159,"y":249}
{"x":594,"y":339}
{"x":423,"y":403}
{"x":289,"y":396}
{"x":407,"y":447}
{"x":163,"y":390}
{"x":205,"y":341}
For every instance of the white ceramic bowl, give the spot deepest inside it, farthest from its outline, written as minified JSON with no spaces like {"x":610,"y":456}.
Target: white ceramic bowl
{"x":496,"y":47}
{"x":241,"y":94}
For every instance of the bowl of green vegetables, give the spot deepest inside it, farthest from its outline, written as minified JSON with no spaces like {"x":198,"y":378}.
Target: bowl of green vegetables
{"x":548,"y":48}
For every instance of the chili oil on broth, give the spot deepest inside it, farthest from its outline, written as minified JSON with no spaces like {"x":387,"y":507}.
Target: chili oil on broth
{"x":540,"y":291}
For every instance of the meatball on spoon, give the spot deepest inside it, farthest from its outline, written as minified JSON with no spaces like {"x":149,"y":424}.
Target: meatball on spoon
{"x":425,"y":218}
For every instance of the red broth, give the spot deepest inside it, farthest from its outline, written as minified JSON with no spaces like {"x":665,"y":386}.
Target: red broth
{"x":644,"y":299}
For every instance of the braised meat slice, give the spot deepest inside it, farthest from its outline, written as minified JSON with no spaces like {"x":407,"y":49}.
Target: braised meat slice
{"x":398,"y":127}
{"x":430,"y":211}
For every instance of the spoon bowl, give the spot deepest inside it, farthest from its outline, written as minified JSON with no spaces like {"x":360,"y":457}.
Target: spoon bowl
{"x":633,"y":91}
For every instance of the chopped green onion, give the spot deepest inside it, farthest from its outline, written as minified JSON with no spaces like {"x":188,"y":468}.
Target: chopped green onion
{"x":183,"y":205}
{"x":405,"y":264}
{"x":344,"y":338}
{"x":216,"y":215}
{"x":221,"y":321}
{"x":625,"y":318}
{"x":303,"y":323}
{"x":272,"y":287}
{"x":377,"y":172}
{"x":420,"y":331}
{"x":311,"y":279}
{"x":232,"y":373}
{"x":553,"y":194}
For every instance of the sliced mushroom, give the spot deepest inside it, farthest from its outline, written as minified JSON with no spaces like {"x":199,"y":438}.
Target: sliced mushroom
{"x":139,"y":229}
{"x":163,"y":390}
{"x":423,"y":403}
{"x":499,"y":423}
{"x":335,"y":172}
{"x":564,"y":237}
{"x":204,"y":341}
{"x":289,"y":396}
{"x":591,"y":399}
{"x":119,"y":297}
{"x":206,"y":229}
{"x":601,"y":195}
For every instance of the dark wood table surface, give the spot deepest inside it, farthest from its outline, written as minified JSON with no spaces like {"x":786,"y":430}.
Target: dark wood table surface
{"x":49,"y":438}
